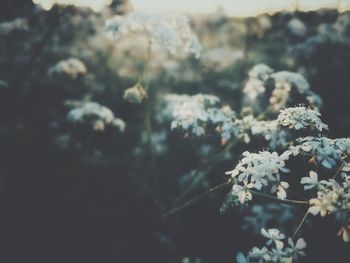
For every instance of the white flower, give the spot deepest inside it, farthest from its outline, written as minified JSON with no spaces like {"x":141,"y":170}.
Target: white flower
{"x":297,"y":249}
{"x":243,"y":192}
{"x":311,"y":181}
{"x":300,"y":118}
{"x":280,"y":188}
{"x":323,"y":204}
{"x":170,"y":31}
{"x":273,"y":235}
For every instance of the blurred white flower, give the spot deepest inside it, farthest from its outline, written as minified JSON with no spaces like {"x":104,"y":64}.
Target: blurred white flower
{"x":135,"y":94}
{"x":95,"y":115}
{"x":297,"y":27}
{"x":170,"y":31}
{"x":71,"y":68}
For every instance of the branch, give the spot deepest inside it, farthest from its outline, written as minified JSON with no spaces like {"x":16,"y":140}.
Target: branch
{"x":193,"y":201}
{"x":204,"y":167}
{"x":282,"y":201}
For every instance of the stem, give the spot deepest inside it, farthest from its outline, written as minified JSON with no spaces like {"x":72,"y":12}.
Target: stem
{"x":198,"y":198}
{"x":338,"y":171}
{"x":211,"y":161}
{"x":282,"y":201}
{"x":144,"y":76}
{"x":301,"y":224}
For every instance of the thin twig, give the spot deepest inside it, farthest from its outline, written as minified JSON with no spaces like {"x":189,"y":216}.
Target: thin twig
{"x":228,"y":185}
{"x":193,"y":201}
{"x":338,"y":171}
{"x":282,"y":201}
{"x":301,"y":224}
{"x":203,"y":166}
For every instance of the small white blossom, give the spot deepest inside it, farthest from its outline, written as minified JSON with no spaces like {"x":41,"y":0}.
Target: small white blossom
{"x":311,"y":181}
{"x":273,"y":235}
{"x":280,"y":188}
{"x":323,"y":204}
{"x":296,"y":249}
{"x":243,"y":192}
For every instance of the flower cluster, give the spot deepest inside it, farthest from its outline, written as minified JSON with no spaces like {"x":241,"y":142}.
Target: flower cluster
{"x":275,"y":249}
{"x":71,"y":68}
{"x":325,"y":151}
{"x":190,"y":114}
{"x":170,"y":31}
{"x":96,"y":116}
{"x":95,"y":5}
{"x":195,"y":114}
{"x":332,"y":196}
{"x":298,"y":118}
{"x":257,"y":170}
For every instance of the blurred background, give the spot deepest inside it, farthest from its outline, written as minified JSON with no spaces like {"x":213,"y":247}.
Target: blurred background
{"x":74,"y":194}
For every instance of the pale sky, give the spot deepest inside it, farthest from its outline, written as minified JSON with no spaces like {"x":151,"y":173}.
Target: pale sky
{"x":232,"y":7}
